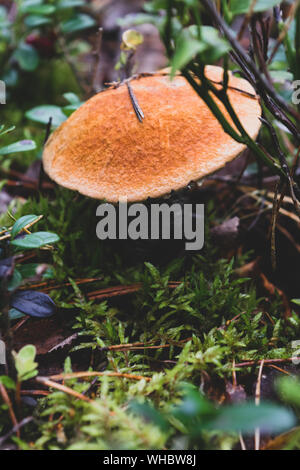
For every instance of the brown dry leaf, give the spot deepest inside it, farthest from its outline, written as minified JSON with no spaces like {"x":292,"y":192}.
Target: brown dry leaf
{"x":251,"y":269}
{"x":272,"y":290}
{"x":281,"y":441}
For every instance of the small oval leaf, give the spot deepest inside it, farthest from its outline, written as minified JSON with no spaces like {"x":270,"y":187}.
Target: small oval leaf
{"x":77,"y":23}
{"x":27,"y":57}
{"x":35,"y":304}
{"x":15,"y":314}
{"x":41,"y":9}
{"x":42,"y":114}
{"x":35,"y":240}
{"x":33,"y":21}
{"x":21,"y":223}
{"x":17,"y":147}
{"x":64,"y":4}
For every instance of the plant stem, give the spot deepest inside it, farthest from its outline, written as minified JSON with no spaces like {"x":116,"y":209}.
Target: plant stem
{"x":210,"y":7}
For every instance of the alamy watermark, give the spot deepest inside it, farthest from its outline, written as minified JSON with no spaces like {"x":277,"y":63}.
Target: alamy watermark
{"x":2,"y":92}
{"x":2,"y":353}
{"x":296,"y":94}
{"x":296,"y":355}
{"x":152,"y":222}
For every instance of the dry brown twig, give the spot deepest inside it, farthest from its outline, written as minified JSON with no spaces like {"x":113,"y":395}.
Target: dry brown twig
{"x":249,"y":363}
{"x":51,"y":381}
{"x":8,"y":402}
{"x":63,"y":388}
{"x":25,"y":229}
{"x":86,"y":374}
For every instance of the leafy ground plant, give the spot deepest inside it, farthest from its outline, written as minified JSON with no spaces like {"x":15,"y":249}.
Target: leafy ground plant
{"x":105,"y":351}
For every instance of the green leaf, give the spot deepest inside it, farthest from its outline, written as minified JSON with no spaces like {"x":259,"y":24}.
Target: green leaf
{"x":281,"y":76}
{"x":64,"y":4}
{"x":21,"y":146}
{"x":156,"y":5}
{"x":27,"y":57}
{"x":7,"y":382}
{"x":71,"y":98}
{"x":28,"y":3}
{"x":216,"y":47}
{"x":239,"y":7}
{"x":15,"y":314}
{"x":149,"y":413}
{"x":30,"y":270}
{"x":77,"y":23}
{"x":140,"y":18}
{"x":35,"y":240}
{"x":15,"y":281}
{"x":4,"y":131}
{"x":40,"y":9}
{"x":10,"y":77}
{"x":68,"y":110}
{"x":289,"y":390}
{"x":21,"y":223}
{"x":24,"y":362}
{"x":194,"y":405}
{"x":42,"y":114}
{"x":186,"y":49}
{"x":33,"y":21}
{"x":74,"y":101}
{"x":247,"y":417}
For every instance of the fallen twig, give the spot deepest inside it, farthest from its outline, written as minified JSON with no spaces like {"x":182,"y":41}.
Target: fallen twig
{"x":63,"y":388}
{"x":11,"y":412}
{"x":80,"y":375}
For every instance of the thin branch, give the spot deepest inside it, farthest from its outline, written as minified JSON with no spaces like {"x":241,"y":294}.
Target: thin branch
{"x":62,"y":388}
{"x":8,"y":402}
{"x":16,"y":429}
{"x":260,"y":79}
{"x":80,"y":375}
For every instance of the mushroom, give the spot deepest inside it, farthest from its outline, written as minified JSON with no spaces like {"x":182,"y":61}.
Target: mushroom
{"x":105,"y":152}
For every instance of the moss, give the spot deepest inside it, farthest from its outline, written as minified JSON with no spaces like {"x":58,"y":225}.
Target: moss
{"x":209,"y":320}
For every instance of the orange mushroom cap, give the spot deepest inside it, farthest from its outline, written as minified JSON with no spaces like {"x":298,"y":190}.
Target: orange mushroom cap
{"x":104,"y":152}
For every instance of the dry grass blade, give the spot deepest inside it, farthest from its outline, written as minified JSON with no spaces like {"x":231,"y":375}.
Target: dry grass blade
{"x":63,"y":388}
{"x":258,"y":196}
{"x":122,"y":290}
{"x":257,"y":402}
{"x":266,"y":362}
{"x":81,"y":375}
